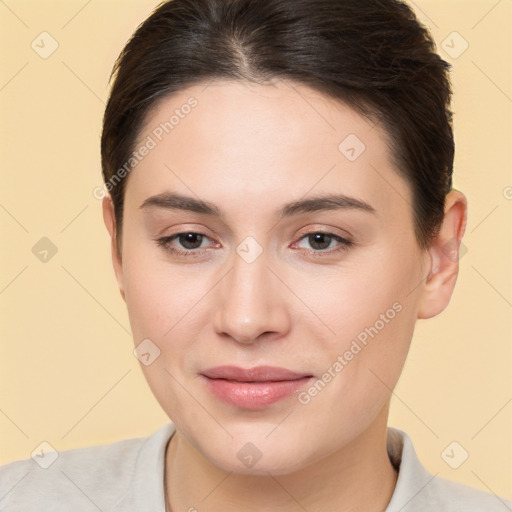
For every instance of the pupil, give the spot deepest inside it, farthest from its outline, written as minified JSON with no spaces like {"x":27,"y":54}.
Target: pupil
{"x":191,"y":240}
{"x":319,"y":239}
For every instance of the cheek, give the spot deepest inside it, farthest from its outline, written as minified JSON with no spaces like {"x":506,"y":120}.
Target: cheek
{"x":369,"y":294}
{"x":360,"y":369}
{"x":146,"y":301}
{"x":372,"y":313}
{"x":160,"y":297}
{"x":160,"y":303}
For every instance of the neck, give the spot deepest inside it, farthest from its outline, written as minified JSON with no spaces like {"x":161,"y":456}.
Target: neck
{"x":359,"y":476}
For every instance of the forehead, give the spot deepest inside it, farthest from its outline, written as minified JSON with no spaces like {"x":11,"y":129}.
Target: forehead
{"x":279,"y":113}
{"x":239,"y":142}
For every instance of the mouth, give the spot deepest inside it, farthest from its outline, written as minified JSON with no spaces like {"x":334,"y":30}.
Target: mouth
{"x":253,"y":388}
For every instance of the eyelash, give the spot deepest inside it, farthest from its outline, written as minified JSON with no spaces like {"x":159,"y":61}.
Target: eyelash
{"x":344,"y":244}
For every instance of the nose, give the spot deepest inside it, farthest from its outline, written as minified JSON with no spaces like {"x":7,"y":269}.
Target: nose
{"x":251,"y":302}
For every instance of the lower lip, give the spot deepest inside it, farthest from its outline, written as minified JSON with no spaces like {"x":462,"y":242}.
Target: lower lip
{"x":254,"y":395}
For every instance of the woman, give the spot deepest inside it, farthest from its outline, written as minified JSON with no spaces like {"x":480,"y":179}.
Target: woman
{"x":281,"y":210}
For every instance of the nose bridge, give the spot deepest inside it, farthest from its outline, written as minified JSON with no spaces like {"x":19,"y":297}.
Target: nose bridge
{"x":250,"y":304}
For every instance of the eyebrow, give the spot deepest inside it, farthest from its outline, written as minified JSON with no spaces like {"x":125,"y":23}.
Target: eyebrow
{"x":325,"y":202}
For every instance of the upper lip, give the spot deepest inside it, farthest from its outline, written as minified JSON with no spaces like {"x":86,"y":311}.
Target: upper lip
{"x":256,"y":374}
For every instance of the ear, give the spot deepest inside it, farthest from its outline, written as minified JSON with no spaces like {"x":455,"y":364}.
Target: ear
{"x":110,"y":222}
{"x":444,"y":257}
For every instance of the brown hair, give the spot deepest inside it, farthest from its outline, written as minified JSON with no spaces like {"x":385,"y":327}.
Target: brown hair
{"x":373,"y":55}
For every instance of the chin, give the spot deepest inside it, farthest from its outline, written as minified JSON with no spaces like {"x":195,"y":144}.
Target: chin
{"x":275,"y":464}
{"x":241,"y":456}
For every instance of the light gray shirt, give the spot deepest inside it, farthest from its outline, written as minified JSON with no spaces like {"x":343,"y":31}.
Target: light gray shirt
{"x":128,"y":476}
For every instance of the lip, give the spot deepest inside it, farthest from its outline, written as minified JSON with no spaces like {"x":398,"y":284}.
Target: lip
{"x":253,"y":388}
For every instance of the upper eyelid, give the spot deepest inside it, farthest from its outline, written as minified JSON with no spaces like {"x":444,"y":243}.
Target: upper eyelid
{"x":328,"y":230}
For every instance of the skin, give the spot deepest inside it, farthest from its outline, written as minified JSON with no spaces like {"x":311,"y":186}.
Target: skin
{"x":250,"y":149}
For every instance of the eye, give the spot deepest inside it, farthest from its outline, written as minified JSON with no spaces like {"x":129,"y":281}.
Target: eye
{"x":191,"y":243}
{"x":324,"y":243}
{"x":184,"y":243}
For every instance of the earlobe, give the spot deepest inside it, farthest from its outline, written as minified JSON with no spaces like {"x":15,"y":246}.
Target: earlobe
{"x":444,"y":257}
{"x":109,"y":219}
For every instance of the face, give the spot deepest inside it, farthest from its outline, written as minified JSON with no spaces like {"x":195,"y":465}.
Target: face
{"x":269,"y":228}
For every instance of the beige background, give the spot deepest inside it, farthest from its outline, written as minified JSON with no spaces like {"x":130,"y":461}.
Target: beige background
{"x":68,"y":374}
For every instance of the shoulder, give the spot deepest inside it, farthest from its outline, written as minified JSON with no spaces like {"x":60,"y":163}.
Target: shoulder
{"x":96,"y":474}
{"x":417,"y":489}
{"x":457,"y":497}
{"x":92,"y":478}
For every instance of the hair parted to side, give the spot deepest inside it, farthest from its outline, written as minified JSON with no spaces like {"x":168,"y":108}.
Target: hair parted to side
{"x":373,"y":55}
